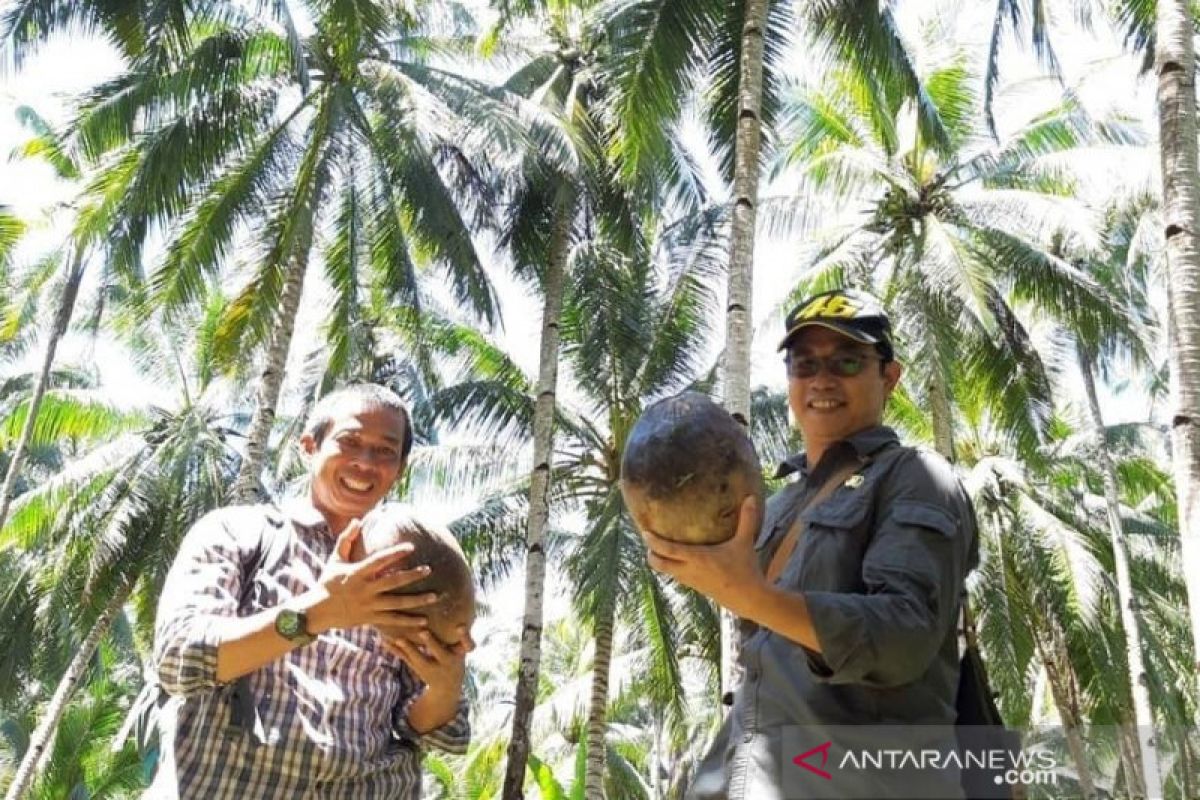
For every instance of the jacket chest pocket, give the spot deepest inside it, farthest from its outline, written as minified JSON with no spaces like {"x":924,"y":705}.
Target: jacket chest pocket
{"x":832,"y":543}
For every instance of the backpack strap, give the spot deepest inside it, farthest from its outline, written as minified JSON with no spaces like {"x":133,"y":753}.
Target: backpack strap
{"x":269,"y":550}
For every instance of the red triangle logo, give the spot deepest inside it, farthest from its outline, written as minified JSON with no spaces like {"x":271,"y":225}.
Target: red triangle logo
{"x":802,"y":760}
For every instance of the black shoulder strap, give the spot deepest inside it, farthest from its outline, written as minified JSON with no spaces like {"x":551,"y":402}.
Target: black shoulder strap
{"x":142,"y":720}
{"x":268,"y":549}
{"x":272,"y":544}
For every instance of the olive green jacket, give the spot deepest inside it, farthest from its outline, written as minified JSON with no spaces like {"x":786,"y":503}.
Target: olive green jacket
{"x":881,"y":563}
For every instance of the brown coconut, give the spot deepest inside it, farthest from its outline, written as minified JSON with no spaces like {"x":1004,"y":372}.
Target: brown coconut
{"x":688,"y":465}
{"x":449,"y":573}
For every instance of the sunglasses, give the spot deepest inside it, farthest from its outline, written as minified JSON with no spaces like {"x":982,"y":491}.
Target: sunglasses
{"x":844,"y":365}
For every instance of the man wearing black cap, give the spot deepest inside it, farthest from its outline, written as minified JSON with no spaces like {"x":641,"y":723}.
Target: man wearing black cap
{"x":849,"y":593}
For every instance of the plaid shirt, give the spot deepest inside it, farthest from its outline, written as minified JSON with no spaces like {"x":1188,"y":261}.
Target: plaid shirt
{"x":332,"y":717}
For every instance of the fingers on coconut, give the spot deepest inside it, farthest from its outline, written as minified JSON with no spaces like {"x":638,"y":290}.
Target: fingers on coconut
{"x":345,"y":540}
{"x":410,"y":652}
{"x":432,"y":648}
{"x":748,"y":519}
{"x":395,"y":646}
{"x":665,"y":548}
{"x":401,"y":578}
{"x":397,"y":624}
{"x":388,"y":558}
{"x":407,"y":602}
{"x":465,"y":643}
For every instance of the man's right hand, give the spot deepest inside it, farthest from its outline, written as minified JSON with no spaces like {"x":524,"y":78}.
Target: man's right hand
{"x":358,"y":593}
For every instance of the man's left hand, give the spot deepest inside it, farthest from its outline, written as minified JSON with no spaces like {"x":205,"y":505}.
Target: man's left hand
{"x":724,"y":572}
{"x":441,"y":668}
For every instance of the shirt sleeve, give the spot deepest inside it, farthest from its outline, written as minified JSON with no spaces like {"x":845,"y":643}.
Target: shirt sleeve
{"x":913,"y":571}
{"x":453,"y":737}
{"x":201,"y":591}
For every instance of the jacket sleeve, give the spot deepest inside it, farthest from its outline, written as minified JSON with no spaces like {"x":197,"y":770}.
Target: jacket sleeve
{"x":201,"y":591}
{"x":913,"y":571}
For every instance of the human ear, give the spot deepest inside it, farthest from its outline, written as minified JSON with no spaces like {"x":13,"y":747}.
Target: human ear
{"x":891,"y":375}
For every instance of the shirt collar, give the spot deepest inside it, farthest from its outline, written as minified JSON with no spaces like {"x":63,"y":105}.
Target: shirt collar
{"x":301,"y":511}
{"x":864,"y":444}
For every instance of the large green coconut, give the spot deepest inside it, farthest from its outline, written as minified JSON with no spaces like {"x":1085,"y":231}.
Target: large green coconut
{"x":449,"y":573}
{"x":688,"y":466}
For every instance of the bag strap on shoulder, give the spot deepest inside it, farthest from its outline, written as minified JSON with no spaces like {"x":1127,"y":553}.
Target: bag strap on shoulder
{"x":835,"y":479}
{"x":272,"y":543}
{"x":142,"y":718}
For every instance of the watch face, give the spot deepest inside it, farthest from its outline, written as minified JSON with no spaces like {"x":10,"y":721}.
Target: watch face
{"x":288,"y":623}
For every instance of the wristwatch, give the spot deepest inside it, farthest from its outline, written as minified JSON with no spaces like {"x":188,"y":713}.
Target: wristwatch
{"x":293,"y":626}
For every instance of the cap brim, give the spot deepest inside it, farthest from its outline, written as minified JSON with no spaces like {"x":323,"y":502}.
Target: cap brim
{"x":848,"y":331}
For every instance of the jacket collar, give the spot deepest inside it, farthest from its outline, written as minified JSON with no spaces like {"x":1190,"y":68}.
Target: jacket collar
{"x":863,"y":444}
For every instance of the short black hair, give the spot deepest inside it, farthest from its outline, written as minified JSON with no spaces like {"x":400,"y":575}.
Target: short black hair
{"x":371,"y":395}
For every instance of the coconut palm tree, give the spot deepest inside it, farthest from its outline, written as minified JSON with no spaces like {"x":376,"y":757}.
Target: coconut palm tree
{"x":1050,"y":597}
{"x":1124,"y":270}
{"x":105,"y":530}
{"x":80,"y":763}
{"x":659,"y":48}
{"x":1175,"y":65}
{"x":132,"y":28}
{"x":71,"y":261}
{"x":251,"y":137}
{"x":951,"y":240}
{"x":1162,"y":33}
{"x":554,"y":208}
{"x":540,"y":233}
{"x":629,"y":337}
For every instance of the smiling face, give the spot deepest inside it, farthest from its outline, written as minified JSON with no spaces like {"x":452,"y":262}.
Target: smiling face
{"x":829,"y":408}
{"x":356,"y":462}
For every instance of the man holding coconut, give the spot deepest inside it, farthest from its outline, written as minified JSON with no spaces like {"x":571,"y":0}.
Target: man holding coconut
{"x":849,"y":590}
{"x":267,"y":639}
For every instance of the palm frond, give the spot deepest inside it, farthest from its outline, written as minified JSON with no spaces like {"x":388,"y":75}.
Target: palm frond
{"x":79,"y":415}
{"x":866,"y":38}
{"x":657,"y":48}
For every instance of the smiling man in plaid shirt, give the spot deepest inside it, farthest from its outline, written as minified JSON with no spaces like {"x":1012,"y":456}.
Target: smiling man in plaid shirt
{"x":279,"y":685}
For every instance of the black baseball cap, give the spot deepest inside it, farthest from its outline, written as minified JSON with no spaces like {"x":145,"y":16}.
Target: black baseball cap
{"x":854,"y":314}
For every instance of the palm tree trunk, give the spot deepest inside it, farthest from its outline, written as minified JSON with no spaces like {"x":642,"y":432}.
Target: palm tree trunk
{"x":1130,"y":754}
{"x":597,"y":724}
{"x":1176,"y":69}
{"x":1038,"y":703}
{"x":739,"y":318}
{"x":539,"y":504}
{"x":1142,"y":710}
{"x":940,"y":413}
{"x":245,"y":486}
{"x":1184,"y":761}
{"x":33,"y":761}
{"x":656,"y":757}
{"x":62,"y":318}
{"x":1061,"y":679}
